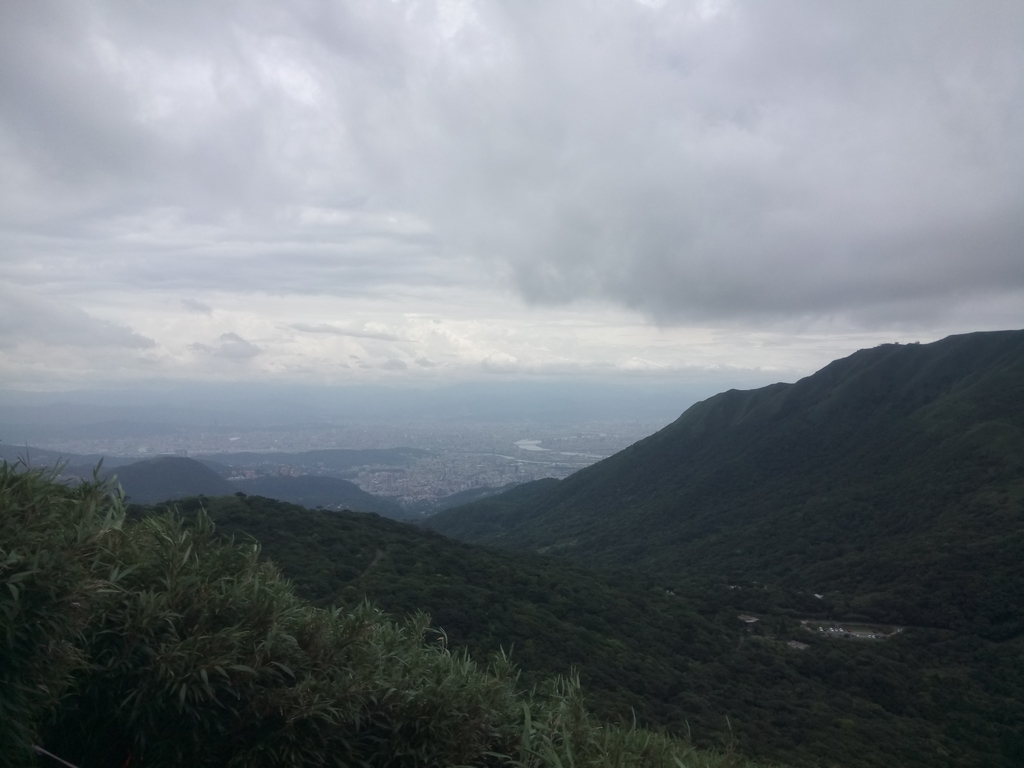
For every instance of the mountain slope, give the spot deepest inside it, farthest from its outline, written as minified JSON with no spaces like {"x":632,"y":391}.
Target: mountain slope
{"x":169,"y":477}
{"x":174,"y":477}
{"x":892,"y":479}
{"x":320,"y":491}
{"x":682,"y":660}
{"x":329,"y":459}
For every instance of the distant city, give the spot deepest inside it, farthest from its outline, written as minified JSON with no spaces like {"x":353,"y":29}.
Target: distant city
{"x":451,"y":457}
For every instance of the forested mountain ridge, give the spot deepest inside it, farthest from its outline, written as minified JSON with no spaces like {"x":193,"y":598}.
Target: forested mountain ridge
{"x":683,"y":659}
{"x":149,"y":642}
{"x":168,"y":477}
{"x":893,"y":480}
{"x":173,"y":477}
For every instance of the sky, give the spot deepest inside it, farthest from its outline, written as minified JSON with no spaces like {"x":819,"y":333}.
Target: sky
{"x":422,"y":193}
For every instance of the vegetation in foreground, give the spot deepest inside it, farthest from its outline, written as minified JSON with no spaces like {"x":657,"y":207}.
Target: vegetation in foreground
{"x":152,"y":643}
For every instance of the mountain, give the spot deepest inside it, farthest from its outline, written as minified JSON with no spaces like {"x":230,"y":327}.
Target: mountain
{"x":72,"y":464}
{"x":764,"y":684}
{"x":325,"y":460}
{"x":174,"y":477}
{"x":891,"y":482}
{"x":152,"y":642}
{"x":320,"y":491}
{"x":430,"y":506}
{"x":169,"y":477}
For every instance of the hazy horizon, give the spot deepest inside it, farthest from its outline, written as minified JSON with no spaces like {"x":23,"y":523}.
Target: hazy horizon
{"x":58,"y":418}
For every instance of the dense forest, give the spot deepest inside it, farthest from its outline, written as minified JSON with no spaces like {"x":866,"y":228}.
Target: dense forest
{"x":677,"y":658}
{"x":154,"y":643}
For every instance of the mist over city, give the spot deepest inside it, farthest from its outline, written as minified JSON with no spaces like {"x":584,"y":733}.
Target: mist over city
{"x":467,"y":436}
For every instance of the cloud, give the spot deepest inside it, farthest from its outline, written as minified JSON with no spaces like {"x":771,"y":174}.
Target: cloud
{"x":755,"y":166}
{"x":30,"y":319}
{"x":500,"y":362}
{"x":336,"y":331}
{"x":741,"y":167}
{"x":229,"y":346}
{"x":194,"y":305}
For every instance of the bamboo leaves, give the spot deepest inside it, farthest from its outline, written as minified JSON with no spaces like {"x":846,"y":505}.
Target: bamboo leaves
{"x":158,"y":642}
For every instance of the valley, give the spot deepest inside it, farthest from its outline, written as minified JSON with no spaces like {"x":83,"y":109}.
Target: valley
{"x":892,"y":481}
{"x":684,"y":661}
{"x":829,"y":572}
{"x":417,"y":465}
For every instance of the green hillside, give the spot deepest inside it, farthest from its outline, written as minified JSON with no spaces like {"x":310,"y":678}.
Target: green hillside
{"x":174,"y":477}
{"x":320,"y":491}
{"x":152,"y":643}
{"x":169,"y":477}
{"x":699,"y":578}
{"x":891,"y":481}
{"x":684,"y":661}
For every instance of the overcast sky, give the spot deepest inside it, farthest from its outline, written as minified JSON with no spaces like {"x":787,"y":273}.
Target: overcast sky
{"x":352,"y":191}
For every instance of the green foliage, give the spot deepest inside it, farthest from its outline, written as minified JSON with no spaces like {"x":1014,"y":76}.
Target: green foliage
{"x":49,"y":534}
{"x":196,"y":652}
{"x":562,"y":734}
{"x":208,"y":658}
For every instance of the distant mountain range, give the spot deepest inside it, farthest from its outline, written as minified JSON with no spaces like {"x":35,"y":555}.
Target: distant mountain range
{"x":165,"y":478}
{"x":73,"y":464}
{"x":891,"y":483}
{"x":328,"y":459}
{"x":174,"y":477}
{"x":169,"y":477}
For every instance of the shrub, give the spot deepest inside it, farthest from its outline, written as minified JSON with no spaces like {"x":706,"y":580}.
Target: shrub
{"x":49,"y":534}
{"x":204,"y":656}
{"x":157,"y":643}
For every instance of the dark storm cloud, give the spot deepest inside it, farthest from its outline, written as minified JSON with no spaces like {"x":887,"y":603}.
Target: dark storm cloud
{"x":697,"y":161}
